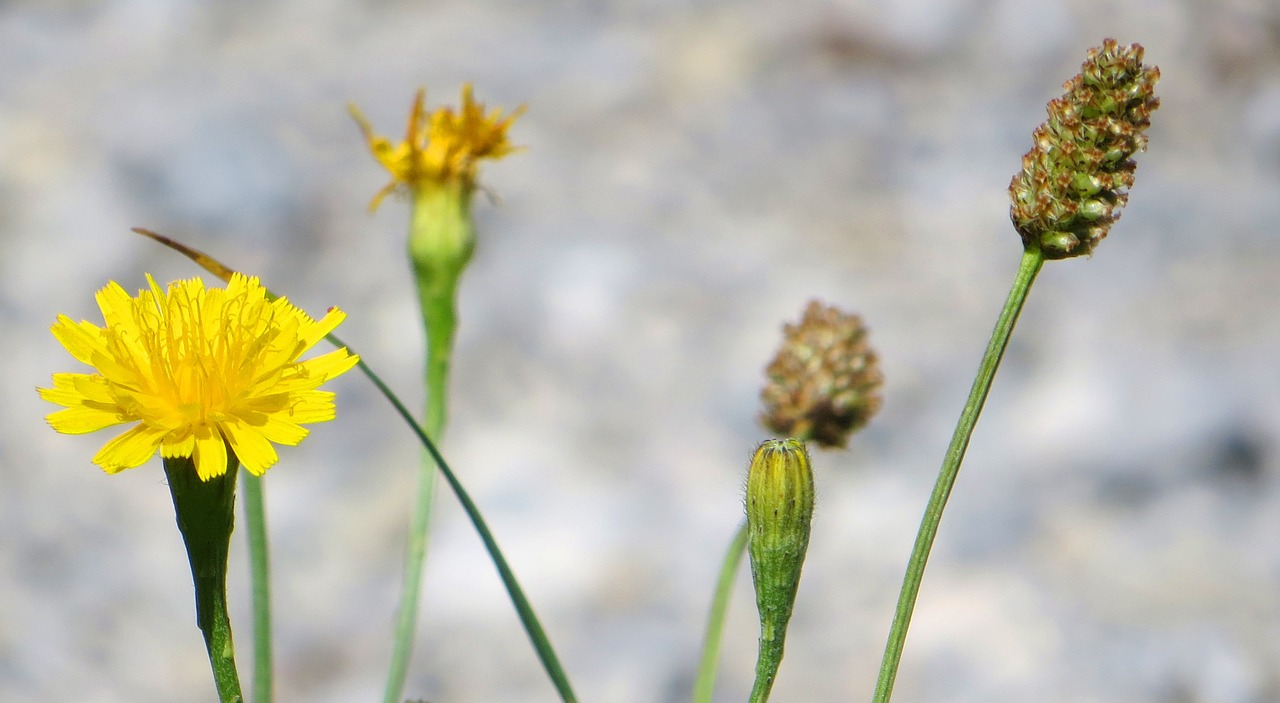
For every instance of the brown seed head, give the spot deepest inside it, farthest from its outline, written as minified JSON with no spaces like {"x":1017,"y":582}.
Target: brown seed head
{"x":1076,"y":177}
{"x":824,"y":384}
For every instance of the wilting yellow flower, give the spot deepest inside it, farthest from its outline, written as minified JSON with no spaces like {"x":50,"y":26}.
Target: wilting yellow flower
{"x":439,"y":147}
{"x":199,"y":370}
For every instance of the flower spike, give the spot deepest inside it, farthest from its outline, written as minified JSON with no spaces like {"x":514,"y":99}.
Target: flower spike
{"x":1076,"y":177}
{"x":824,"y":384}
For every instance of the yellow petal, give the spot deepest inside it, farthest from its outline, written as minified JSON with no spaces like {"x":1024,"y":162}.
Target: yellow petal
{"x":275,"y":428}
{"x":93,"y":387}
{"x":82,"y":419}
{"x":284,"y":432}
{"x":322,"y":328}
{"x":251,"y":447}
{"x":311,"y":406}
{"x":82,"y":339}
{"x":210,"y":456}
{"x":116,"y":305}
{"x":178,"y":444}
{"x":330,"y":365}
{"x":64,"y":390}
{"x":129,"y":449}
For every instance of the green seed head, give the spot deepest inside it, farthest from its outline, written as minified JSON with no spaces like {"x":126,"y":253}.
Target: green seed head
{"x":1076,"y":177}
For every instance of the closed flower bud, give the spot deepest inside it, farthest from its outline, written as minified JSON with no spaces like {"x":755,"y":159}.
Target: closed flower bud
{"x":1076,"y":177}
{"x":824,"y":384}
{"x":779,"y":506}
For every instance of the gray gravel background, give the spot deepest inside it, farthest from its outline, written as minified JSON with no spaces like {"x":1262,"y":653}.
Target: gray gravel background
{"x":696,"y":171}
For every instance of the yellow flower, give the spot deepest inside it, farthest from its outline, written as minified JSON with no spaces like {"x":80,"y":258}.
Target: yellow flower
{"x":199,"y":370}
{"x":440,"y":147}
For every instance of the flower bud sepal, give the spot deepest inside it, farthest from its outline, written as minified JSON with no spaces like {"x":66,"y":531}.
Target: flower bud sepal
{"x":441,"y":234}
{"x":205,"y":511}
{"x":441,"y":241}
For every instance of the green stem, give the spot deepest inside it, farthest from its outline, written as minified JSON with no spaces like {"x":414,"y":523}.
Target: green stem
{"x":411,"y":584}
{"x":255,"y":520}
{"x":1032,"y":260}
{"x":538,"y":636}
{"x":206,"y":516}
{"x":767,"y":663}
{"x":439,"y":247}
{"x":706,"y":681}
{"x":419,"y":527}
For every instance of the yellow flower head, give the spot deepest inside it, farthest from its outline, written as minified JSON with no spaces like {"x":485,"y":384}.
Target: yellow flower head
{"x":441,"y":147}
{"x":199,"y":370}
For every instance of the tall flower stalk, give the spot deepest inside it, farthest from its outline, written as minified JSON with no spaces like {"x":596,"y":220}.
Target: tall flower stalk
{"x":437,"y":165}
{"x":212,"y":379}
{"x":255,"y":523}
{"x":1069,"y":192}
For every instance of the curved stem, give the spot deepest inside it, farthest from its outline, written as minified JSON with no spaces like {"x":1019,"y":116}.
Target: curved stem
{"x":255,"y":520}
{"x":538,"y":636}
{"x":411,"y":583}
{"x":1032,"y":260}
{"x":706,"y":681}
{"x":419,"y":528}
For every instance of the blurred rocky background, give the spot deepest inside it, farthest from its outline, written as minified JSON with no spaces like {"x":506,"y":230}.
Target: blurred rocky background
{"x":695,"y":172}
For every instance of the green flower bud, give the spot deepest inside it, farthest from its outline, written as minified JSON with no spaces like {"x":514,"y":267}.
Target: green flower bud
{"x":1073,"y":182}
{"x":441,"y":234}
{"x":779,"y":512}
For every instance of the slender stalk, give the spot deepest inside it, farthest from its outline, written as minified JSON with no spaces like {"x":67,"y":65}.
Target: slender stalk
{"x":538,"y":636}
{"x":415,"y":560}
{"x":767,"y":663}
{"x":435,"y":215}
{"x":1032,"y":260}
{"x":255,"y":521}
{"x":706,"y":681}
{"x":411,"y":583}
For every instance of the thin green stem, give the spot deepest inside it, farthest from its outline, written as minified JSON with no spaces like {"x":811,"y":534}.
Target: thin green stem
{"x":255,"y":520}
{"x":706,"y":681}
{"x":411,"y":583}
{"x":1032,"y":260}
{"x":440,"y":243}
{"x":767,"y":663}
{"x":416,"y":545}
{"x":538,"y":636}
